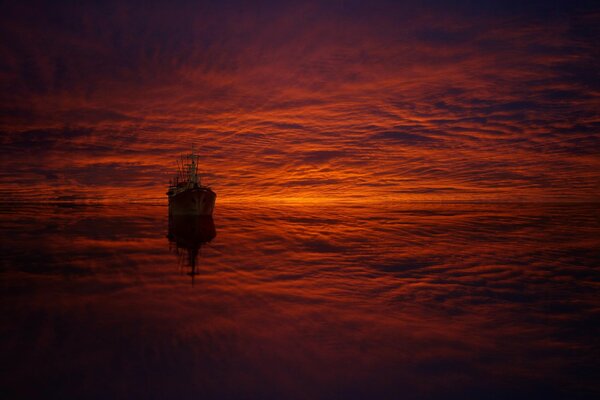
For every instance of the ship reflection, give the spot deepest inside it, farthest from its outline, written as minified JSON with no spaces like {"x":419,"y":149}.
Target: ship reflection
{"x":186,"y":236}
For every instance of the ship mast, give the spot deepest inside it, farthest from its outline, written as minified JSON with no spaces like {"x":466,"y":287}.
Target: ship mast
{"x":187,"y":169}
{"x":193,"y":172}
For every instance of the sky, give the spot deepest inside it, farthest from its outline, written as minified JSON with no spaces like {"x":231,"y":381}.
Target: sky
{"x":301,"y":101}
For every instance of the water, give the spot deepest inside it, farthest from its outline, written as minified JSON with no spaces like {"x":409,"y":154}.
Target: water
{"x":301,"y":302}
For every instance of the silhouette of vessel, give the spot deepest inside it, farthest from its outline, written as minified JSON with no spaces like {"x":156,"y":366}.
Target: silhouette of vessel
{"x":187,"y":196}
{"x":189,"y":234}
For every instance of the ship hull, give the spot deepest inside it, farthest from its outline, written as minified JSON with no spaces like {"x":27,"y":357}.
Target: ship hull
{"x":198,"y":201}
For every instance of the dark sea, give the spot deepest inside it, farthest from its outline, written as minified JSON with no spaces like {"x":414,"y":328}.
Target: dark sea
{"x":406,"y":301}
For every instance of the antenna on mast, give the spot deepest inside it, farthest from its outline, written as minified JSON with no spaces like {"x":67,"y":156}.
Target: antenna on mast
{"x":178,"y":171}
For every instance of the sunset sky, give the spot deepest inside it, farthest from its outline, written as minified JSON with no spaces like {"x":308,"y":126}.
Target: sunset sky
{"x":302,"y":101}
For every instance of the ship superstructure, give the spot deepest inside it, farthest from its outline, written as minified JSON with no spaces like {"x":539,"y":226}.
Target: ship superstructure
{"x":187,"y":195}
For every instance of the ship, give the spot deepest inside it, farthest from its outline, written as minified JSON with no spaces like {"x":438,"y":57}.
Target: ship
{"x":187,"y":196}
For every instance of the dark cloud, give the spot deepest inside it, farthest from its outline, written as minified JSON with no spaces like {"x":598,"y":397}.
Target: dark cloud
{"x":410,"y":139}
{"x":322,"y":156}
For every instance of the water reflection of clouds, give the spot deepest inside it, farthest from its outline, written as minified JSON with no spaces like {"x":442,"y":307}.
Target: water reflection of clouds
{"x":417,"y":300}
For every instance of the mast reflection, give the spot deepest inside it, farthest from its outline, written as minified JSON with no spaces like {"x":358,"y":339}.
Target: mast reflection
{"x":187,"y":234}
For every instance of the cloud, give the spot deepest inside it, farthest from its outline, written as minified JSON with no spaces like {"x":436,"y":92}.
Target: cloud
{"x":494,"y":101}
{"x":405,"y":138}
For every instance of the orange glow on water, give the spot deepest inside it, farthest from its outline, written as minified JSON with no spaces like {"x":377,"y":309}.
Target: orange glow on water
{"x":301,"y":300}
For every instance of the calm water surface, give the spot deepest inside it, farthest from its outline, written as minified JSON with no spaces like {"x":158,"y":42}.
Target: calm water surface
{"x":411,"y":301}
